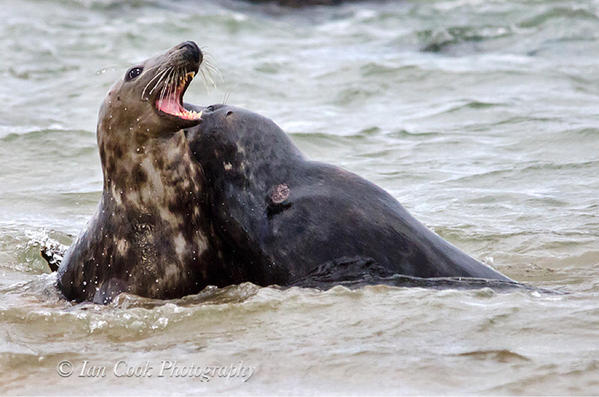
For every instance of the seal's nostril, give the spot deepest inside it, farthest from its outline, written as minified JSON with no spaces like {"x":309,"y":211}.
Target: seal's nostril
{"x":189,"y":44}
{"x":192,"y":50}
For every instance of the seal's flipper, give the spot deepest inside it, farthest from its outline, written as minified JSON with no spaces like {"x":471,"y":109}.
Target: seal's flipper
{"x":53,"y":255}
{"x":351,"y":272}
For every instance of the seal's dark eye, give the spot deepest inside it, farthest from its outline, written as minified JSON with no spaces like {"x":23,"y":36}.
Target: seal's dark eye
{"x":133,"y":73}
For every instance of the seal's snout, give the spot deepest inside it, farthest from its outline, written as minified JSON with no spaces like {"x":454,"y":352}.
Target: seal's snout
{"x":171,"y":80}
{"x":191,"y":51}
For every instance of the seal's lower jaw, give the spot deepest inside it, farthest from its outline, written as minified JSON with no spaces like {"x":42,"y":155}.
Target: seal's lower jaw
{"x":170,"y":102}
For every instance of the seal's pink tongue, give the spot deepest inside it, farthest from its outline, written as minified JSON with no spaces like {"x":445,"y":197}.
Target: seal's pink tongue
{"x":171,"y":103}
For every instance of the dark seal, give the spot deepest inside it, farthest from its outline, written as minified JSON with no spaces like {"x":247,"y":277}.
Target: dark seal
{"x":287,"y":220}
{"x":149,"y":236}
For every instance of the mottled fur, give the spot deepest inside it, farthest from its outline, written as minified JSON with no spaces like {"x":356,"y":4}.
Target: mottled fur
{"x":150,"y":235}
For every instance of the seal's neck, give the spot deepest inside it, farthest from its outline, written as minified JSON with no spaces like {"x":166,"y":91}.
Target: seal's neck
{"x":150,"y":230}
{"x":154,"y":175}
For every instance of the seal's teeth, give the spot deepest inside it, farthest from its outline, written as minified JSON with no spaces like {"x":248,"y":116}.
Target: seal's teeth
{"x":193,"y":115}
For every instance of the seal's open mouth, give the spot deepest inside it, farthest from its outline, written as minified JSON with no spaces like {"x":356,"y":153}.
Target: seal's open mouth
{"x":170,"y":100}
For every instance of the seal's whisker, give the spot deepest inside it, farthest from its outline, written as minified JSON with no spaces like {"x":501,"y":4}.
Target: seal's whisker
{"x":161,"y":69}
{"x":171,"y":86}
{"x":181,"y":72}
{"x":158,"y":75}
{"x":210,"y":68}
{"x":209,"y":77}
{"x":152,"y":79}
{"x":174,"y":82}
{"x":207,"y":55}
{"x":210,"y":65}
{"x":164,"y":87}
{"x":157,"y":84}
{"x":213,"y":69}
{"x":203,"y":78}
{"x":226,"y":97}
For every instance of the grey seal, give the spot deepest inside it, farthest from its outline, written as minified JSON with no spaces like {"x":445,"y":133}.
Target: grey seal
{"x":291,"y":221}
{"x":196,"y":196}
{"x":149,"y":235}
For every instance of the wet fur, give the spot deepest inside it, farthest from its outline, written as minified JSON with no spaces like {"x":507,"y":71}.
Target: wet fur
{"x":149,"y":235}
{"x":233,"y":200}
{"x":323,"y":215}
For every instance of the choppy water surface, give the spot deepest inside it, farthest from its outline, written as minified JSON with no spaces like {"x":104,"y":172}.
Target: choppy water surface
{"x":481,"y":117}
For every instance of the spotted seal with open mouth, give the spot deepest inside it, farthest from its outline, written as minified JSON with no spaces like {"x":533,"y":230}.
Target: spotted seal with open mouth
{"x":149,"y":235}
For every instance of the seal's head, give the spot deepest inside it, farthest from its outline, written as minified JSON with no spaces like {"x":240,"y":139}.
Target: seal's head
{"x":141,"y":122}
{"x":148,"y":101}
